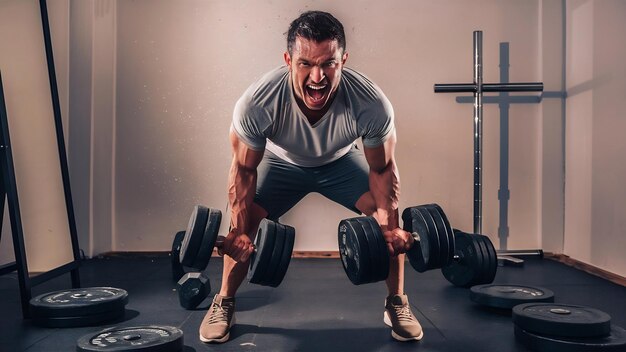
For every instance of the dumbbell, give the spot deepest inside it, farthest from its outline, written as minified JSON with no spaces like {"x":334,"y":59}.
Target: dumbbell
{"x":465,"y":259}
{"x":267,"y":265}
{"x":365,"y":258}
{"x":193,"y":288}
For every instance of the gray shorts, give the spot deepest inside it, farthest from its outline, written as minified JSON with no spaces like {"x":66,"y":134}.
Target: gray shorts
{"x":280,"y":184}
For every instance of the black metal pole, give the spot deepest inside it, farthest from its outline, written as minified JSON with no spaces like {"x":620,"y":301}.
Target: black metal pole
{"x":478,"y":130}
{"x":489,"y":87}
{"x":10,"y":185}
{"x":65,"y":175}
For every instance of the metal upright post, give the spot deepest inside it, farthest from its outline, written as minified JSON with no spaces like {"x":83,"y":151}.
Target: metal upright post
{"x":478,"y":88}
{"x":478,"y":130}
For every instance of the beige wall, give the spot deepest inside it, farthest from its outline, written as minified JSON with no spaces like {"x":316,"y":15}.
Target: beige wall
{"x":24,"y":69}
{"x":595,"y":196}
{"x":182,"y":65}
{"x":154,"y":83}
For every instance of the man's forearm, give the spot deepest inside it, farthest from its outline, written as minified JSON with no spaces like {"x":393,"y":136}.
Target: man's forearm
{"x":385,"y":189}
{"x":241,"y":190}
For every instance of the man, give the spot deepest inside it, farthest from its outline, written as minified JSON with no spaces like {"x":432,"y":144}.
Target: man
{"x":294,"y":132}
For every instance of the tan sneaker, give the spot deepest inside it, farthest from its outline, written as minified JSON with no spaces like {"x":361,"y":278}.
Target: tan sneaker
{"x":398,"y":315}
{"x":219,"y":318}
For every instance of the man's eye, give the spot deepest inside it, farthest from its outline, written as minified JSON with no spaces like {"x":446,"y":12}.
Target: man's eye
{"x":304,"y":64}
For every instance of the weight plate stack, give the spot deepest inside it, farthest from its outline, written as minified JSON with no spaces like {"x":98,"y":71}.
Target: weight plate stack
{"x":194,"y":235}
{"x":562,"y":320}
{"x":379,"y":256}
{"x":78,"y":307}
{"x":491,"y":260}
{"x":209,"y":237}
{"x":467,"y":268}
{"x":359,"y":247}
{"x":508,"y":296}
{"x":446,"y":234}
{"x":615,"y":341}
{"x":260,"y":259}
{"x":285,"y":257}
{"x":150,"y":338}
{"x":424,"y":254}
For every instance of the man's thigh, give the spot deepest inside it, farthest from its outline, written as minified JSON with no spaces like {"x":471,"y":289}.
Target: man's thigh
{"x":280,"y":185}
{"x":344,"y":180}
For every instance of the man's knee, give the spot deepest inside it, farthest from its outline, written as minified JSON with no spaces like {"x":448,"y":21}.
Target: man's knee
{"x":366,"y":204}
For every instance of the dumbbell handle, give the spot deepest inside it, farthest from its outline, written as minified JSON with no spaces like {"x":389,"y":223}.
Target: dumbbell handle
{"x":416,"y":237}
{"x":219,"y":242}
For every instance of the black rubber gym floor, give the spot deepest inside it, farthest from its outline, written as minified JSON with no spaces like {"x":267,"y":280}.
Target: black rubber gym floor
{"x":315,"y":309}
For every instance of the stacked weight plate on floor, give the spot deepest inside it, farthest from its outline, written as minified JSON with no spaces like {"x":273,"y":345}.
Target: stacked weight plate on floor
{"x":561,"y":327}
{"x":78,"y":307}
{"x":150,"y":338}
{"x":434,"y":247}
{"x":199,"y":240}
{"x":274,"y":246}
{"x":363,"y":250}
{"x":508,"y":296}
{"x":475,"y":260}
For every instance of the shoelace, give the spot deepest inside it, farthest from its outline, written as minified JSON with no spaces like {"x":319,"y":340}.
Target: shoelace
{"x":219,"y":314}
{"x":403,"y":313}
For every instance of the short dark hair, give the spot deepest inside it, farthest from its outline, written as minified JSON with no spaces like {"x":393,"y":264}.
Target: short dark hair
{"x":317,"y":26}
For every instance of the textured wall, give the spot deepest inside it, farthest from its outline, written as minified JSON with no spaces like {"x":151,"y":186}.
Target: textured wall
{"x":182,"y":65}
{"x":595,"y":197}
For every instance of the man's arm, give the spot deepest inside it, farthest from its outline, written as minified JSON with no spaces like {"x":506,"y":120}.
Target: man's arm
{"x":384,"y":183}
{"x":241,"y":189}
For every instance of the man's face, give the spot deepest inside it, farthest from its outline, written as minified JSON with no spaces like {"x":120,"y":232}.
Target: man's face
{"x":315,"y":71}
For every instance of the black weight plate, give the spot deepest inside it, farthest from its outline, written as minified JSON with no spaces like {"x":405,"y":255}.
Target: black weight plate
{"x":508,"y":296}
{"x":150,"y":338}
{"x":493,"y":259}
{"x":368,"y":270}
{"x":380,"y":250}
{"x":78,"y":302}
{"x":290,"y":237}
{"x":562,"y":320}
{"x":193,"y":235}
{"x":433,"y":239}
{"x":451,"y":247}
{"x":177,"y":269}
{"x":480,"y":261}
{"x":379,"y":258}
{"x":353,"y":251}
{"x":277,"y":255}
{"x":616,"y":341}
{"x":463,"y":271}
{"x":483,"y":274}
{"x":214,"y":219}
{"x":419,"y":255}
{"x":81,"y":320}
{"x":372,"y":248}
{"x":259,"y":260}
{"x":442,"y":234}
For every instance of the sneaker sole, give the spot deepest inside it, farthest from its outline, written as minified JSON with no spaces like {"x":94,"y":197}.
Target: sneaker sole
{"x":221,"y":339}
{"x":387,"y":321}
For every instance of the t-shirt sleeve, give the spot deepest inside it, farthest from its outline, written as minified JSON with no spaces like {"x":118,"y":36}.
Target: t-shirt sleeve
{"x":249,"y":124}
{"x":377,"y":122}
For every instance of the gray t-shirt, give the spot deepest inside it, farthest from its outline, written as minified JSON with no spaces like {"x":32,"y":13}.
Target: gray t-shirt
{"x":268,"y":116}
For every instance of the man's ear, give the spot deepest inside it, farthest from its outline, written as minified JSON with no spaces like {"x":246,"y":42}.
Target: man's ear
{"x":287,"y":58}
{"x":344,"y":58}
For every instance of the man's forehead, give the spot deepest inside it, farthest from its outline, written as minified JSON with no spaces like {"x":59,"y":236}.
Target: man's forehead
{"x":305,"y":46}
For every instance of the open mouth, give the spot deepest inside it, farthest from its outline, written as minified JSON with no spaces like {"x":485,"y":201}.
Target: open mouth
{"x":316,"y":92}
